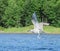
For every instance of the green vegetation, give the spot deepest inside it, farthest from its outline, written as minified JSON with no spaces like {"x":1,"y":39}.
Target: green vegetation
{"x":51,"y":29}
{"x":15,"y":15}
{"x":47,"y":29}
{"x":18,"y":13}
{"x":18,"y":30}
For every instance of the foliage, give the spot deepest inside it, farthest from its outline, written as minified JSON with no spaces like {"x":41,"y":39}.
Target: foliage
{"x":18,"y":13}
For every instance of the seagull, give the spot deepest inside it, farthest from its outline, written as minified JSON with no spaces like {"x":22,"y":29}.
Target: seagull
{"x":38,"y":27}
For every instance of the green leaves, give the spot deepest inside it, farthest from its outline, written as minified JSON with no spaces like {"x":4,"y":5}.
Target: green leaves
{"x":18,"y":13}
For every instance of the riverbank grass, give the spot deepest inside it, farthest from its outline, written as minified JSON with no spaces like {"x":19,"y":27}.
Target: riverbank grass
{"x":47,"y":29}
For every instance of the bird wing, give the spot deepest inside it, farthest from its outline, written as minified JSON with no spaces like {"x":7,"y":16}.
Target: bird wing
{"x":34,"y":21}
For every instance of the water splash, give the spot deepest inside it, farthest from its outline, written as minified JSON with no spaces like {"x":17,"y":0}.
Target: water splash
{"x":38,"y":36}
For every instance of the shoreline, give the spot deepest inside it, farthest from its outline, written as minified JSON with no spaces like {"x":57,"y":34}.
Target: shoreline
{"x":25,"y":33}
{"x":25,"y":30}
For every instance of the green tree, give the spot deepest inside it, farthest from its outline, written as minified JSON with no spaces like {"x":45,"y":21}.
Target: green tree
{"x":3,"y":5}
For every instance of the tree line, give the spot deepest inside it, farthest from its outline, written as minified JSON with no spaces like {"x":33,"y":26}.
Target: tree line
{"x":18,"y":13}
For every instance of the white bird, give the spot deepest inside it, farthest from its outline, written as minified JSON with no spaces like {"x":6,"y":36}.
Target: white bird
{"x":38,"y":27}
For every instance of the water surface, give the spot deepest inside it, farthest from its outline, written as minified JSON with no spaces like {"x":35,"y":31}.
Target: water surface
{"x":29,"y":42}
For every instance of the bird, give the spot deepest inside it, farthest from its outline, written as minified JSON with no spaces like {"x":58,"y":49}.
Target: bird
{"x":38,"y":27}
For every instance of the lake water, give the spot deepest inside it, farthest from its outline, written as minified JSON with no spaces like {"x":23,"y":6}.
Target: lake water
{"x":29,"y":42}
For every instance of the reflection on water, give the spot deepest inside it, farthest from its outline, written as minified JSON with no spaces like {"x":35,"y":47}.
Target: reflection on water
{"x":29,"y":42}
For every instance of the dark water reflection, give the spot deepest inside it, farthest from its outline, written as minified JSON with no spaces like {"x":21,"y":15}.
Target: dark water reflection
{"x":29,"y":42}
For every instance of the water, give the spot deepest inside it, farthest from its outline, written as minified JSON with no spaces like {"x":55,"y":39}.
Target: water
{"x":29,"y":42}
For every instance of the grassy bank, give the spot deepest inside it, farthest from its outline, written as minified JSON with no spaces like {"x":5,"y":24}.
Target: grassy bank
{"x":47,"y":29}
{"x":51,"y":29}
{"x":16,"y":30}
